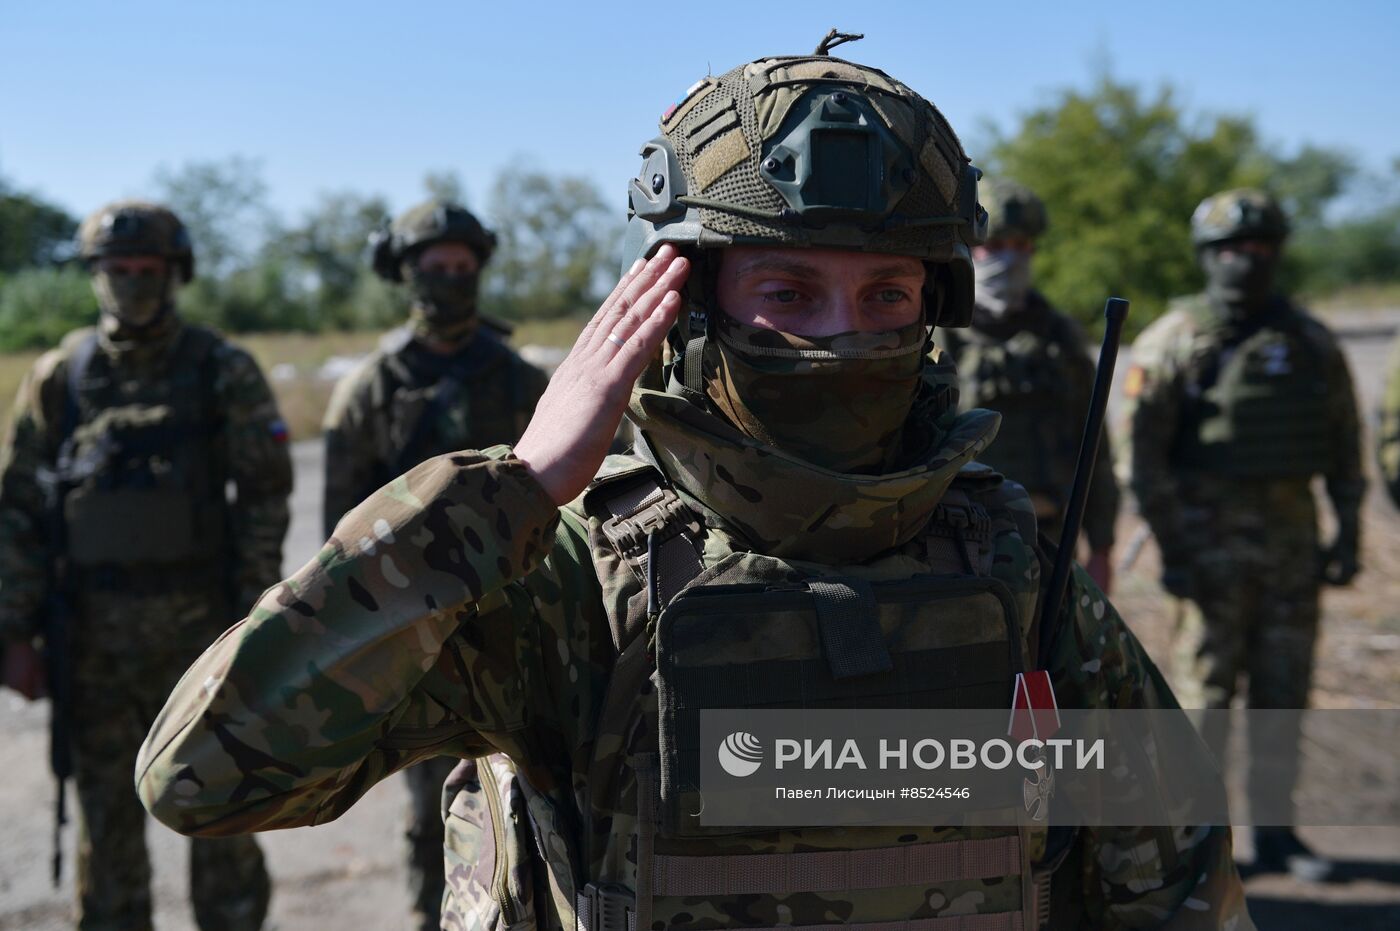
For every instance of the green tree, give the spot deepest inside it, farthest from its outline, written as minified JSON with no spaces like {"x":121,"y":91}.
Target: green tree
{"x":224,"y":204}
{"x":445,"y":185}
{"x":326,"y":255}
{"x":32,"y":231}
{"x":39,"y":305}
{"x":558,"y":241}
{"x":1120,"y":172}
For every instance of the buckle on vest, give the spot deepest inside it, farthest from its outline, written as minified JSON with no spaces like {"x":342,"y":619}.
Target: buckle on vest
{"x":666,"y":518}
{"x":971,"y":519}
{"x":605,"y":907}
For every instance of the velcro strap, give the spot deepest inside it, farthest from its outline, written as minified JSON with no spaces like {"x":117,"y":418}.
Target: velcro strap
{"x":836,"y":870}
{"x":850,"y":625}
{"x":1001,"y":921}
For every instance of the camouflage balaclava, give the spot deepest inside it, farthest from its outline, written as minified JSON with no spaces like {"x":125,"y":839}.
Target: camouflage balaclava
{"x":1003,"y":275}
{"x":1239,"y":283}
{"x":839,"y":401}
{"x":443,"y":305}
{"x":755,"y":425}
{"x":136,"y":307}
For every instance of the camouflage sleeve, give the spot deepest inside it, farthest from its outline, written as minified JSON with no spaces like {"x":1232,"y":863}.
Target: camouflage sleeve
{"x":1346,"y":482}
{"x":403,"y":639}
{"x":260,"y":467}
{"x":1153,"y":391}
{"x":1388,"y":431}
{"x":351,"y":466}
{"x":1178,"y":879}
{"x":1101,"y":508}
{"x":24,"y":553}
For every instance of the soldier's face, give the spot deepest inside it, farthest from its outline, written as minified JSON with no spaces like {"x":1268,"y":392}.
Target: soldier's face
{"x":132,"y":266}
{"x":132,"y":288}
{"x":991,"y":247}
{"x":448,"y":258}
{"x":820,"y":292}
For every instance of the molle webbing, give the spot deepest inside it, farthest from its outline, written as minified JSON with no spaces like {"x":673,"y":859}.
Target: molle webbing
{"x":836,"y":870}
{"x":1001,"y":921}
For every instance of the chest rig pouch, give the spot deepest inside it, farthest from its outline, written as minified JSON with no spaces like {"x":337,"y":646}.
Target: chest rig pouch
{"x":1027,"y":379}
{"x":1260,"y":408}
{"x":146,"y":486}
{"x":753,"y":632}
{"x":431,"y":405}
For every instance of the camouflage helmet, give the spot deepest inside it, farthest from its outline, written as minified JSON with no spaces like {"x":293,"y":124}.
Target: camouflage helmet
{"x":136,"y":227}
{"x":1244,"y":213}
{"x":418,"y":227}
{"x":812,"y":151}
{"x":1012,"y":209}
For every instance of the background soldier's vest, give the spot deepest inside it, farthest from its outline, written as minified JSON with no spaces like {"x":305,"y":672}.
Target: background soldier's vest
{"x":426,"y":405}
{"x":751,"y":631}
{"x":1026,"y":378}
{"x":141,"y":459}
{"x":1257,"y":399}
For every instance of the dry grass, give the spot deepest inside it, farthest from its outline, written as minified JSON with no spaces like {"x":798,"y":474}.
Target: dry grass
{"x":292,"y":361}
{"x":1360,"y":297}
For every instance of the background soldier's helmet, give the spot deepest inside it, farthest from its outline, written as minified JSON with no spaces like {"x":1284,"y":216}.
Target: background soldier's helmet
{"x":812,"y":151}
{"x":1244,"y":213}
{"x":134,"y":227}
{"x":1012,"y":209}
{"x":418,"y":227}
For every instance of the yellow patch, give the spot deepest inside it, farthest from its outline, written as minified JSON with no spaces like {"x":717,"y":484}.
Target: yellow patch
{"x":1132,"y":384}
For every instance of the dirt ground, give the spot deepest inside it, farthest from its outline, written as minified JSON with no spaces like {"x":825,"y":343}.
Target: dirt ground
{"x":350,"y":874}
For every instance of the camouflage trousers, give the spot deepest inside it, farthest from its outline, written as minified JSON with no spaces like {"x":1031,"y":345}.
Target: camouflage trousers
{"x":1253,"y":612}
{"x":121,"y":680}
{"x":425,"y":839}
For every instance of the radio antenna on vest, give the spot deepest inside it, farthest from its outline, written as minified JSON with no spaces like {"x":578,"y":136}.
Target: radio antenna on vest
{"x":1115,"y":312}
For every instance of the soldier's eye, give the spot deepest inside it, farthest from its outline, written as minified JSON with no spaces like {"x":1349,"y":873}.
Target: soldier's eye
{"x":783,"y":296}
{"x":891,"y":295}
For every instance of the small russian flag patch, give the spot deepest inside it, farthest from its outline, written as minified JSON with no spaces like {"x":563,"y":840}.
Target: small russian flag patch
{"x":278,"y":429}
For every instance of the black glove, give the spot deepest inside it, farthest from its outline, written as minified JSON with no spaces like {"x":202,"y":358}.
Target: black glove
{"x":1338,"y":564}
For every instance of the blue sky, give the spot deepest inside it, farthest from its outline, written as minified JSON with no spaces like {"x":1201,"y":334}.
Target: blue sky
{"x":369,"y":96}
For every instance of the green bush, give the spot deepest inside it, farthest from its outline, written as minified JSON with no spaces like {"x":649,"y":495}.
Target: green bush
{"x":39,"y":305}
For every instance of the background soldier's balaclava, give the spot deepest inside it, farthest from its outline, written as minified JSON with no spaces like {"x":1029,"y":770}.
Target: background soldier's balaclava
{"x":1004,"y":275}
{"x":135,"y":306}
{"x":1238,"y":283}
{"x":814,"y":152}
{"x":444,"y":305}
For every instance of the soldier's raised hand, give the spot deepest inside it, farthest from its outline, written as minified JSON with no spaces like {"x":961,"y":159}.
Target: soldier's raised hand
{"x":576,"y":418}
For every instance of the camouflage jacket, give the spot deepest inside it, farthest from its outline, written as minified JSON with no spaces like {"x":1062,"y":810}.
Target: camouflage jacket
{"x":1033,"y":368}
{"x":404,"y":404}
{"x":249,"y":439}
{"x":1388,"y":433}
{"x":458,"y":611}
{"x":1171,"y":389}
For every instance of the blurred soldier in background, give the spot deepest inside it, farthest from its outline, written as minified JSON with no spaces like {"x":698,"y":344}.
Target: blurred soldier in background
{"x":1388,"y":435}
{"x":445,"y":381}
{"x":1237,"y":398}
{"x":1029,"y":362}
{"x":115,"y":506}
